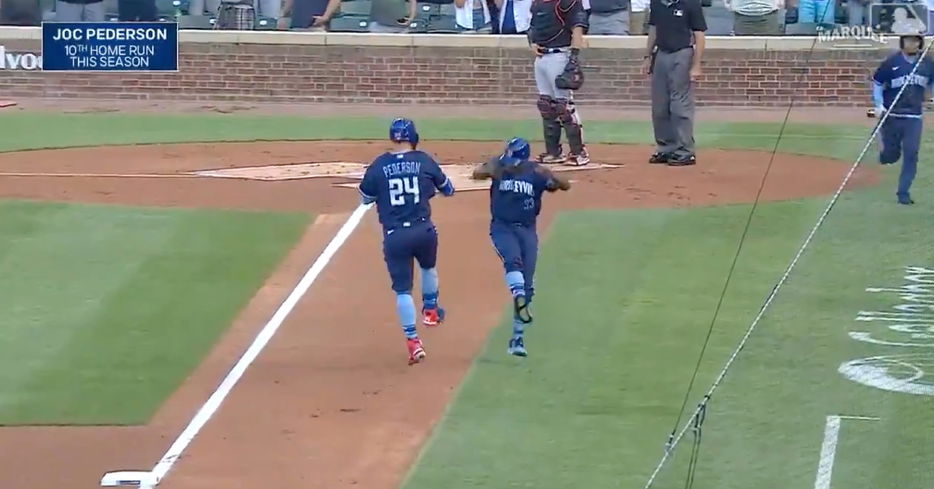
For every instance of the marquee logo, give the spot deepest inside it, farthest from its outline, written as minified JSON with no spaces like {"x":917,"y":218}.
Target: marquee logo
{"x":19,"y":61}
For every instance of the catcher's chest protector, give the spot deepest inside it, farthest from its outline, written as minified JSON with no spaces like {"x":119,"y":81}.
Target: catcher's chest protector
{"x":547,"y":24}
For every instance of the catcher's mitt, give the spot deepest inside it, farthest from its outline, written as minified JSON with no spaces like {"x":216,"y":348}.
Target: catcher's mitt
{"x":572,"y":78}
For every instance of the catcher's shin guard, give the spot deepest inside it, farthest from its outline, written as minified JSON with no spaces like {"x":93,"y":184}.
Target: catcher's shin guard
{"x":551,"y":126}
{"x":571,"y":121}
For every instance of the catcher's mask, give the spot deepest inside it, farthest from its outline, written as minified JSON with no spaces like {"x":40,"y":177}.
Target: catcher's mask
{"x":403,"y":129}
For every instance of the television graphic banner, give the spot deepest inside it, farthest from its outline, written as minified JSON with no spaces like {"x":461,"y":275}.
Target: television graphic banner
{"x":109,"y":46}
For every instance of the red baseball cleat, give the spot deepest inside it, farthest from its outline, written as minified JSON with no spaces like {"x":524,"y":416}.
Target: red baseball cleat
{"x":432,"y":317}
{"x":416,"y":351}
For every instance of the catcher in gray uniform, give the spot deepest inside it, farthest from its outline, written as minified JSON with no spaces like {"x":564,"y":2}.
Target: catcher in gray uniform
{"x":556,"y":35}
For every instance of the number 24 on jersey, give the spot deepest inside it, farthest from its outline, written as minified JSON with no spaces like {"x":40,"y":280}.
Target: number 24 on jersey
{"x":398,"y":187}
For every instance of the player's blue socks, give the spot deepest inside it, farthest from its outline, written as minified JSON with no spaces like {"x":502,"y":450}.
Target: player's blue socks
{"x":430,"y":288}
{"x":405,"y":305}
{"x":516,"y":283}
{"x":518,"y":327}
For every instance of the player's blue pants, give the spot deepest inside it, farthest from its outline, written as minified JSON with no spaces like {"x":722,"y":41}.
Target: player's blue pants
{"x":901,"y":138}
{"x":402,"y":245}
{"x":517,"y":246}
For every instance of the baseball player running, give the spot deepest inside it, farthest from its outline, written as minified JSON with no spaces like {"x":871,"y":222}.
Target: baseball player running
{"x":901,"y":131}
{"x":515,"y":202}
{"x":401,"y":182}
{"x":556,"y":35}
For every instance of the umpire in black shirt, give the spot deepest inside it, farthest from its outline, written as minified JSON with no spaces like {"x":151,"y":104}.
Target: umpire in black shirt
{"x":675,"y":45}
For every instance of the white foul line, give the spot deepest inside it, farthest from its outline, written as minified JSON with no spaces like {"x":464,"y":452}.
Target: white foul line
{"x":213,"y":403}
{"x":100,"y":175}
{"x":828,"y":451}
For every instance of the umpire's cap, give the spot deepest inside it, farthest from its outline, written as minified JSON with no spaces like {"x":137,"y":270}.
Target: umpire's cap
{"x":403,"y":129}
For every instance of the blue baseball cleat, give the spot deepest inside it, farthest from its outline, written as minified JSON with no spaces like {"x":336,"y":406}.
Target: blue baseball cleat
{"x":517,"y":347}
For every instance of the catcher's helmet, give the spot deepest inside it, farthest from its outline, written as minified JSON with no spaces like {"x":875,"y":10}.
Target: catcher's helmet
{"x":517,"y":151}
{"x":403,"y":129}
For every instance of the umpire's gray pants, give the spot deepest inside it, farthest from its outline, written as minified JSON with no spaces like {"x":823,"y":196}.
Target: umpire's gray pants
{"x":673,"y":102}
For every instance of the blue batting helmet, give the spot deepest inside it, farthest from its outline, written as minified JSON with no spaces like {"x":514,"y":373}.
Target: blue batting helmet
{"x":517,"y":151}
{"x":403,"y":129}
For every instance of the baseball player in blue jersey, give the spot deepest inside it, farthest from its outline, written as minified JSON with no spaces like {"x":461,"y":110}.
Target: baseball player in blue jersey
{"x":401,"y":182}
{"x":515,"y":202}
{"x":901,"y":131}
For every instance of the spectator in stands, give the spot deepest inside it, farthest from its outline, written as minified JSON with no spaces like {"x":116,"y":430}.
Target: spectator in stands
{"x":821,"y":12}
{"x":79,"y":10}
{"x":857,"y":12}
{"x":20,"y":12}
{"x":308,"y":15}
{"x":137,"y":11}
{"x":638,"y":10}
{"x":756,"y":17}
{"x":472,"y":16}
{"x":494,"y":14}
{"x":267,"y":8}
{"x":391,"y":16}
{"x":196,"y":7}
{"x":609,"y":17}
{"x":515,"y":16}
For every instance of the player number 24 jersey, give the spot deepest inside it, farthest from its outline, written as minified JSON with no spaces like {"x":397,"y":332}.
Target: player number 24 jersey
{"x":402,"y":184}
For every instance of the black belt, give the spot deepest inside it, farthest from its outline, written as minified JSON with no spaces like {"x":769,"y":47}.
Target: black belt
{"x":407,"y":224}
{"x":565,"y":49}
{"x":669,"y":51}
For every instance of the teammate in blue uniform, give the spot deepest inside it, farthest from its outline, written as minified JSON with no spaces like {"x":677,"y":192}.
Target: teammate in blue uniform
{"x":515,"y":202}
{"x":401,"y":182}
{"x":901,"y":131}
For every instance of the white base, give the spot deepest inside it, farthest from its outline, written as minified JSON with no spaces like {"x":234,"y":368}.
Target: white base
{"x":141,"y":479}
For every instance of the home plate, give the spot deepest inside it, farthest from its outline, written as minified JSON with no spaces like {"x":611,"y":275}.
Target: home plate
{"x":460,"y":175}
{"x":129,"y":478}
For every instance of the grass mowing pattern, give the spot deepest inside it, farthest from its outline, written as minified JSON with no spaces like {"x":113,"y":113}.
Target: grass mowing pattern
{"x":111,"y":308}
{"x":612,"y":343}
{"x":27,"y":130}
{"x":594,"y":403}
{"x":620,"y":321}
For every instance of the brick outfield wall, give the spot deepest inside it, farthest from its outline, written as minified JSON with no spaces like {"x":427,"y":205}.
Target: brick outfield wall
{"x":450,"y":75}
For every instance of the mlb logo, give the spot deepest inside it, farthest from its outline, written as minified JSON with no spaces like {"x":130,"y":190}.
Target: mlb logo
{"x":899,"y":18}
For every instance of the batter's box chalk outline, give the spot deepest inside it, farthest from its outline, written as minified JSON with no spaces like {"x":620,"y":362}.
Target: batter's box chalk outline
{"x":460,"y":175}
{"x":350,"y":170}
{"x":290,"y":171}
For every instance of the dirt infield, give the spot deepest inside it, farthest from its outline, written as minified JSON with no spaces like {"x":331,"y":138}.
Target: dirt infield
{"x":331,"y":403}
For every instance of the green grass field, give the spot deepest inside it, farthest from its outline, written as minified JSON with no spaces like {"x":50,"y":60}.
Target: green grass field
{"x":619,"y":320}
{"x":112,"y":307}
